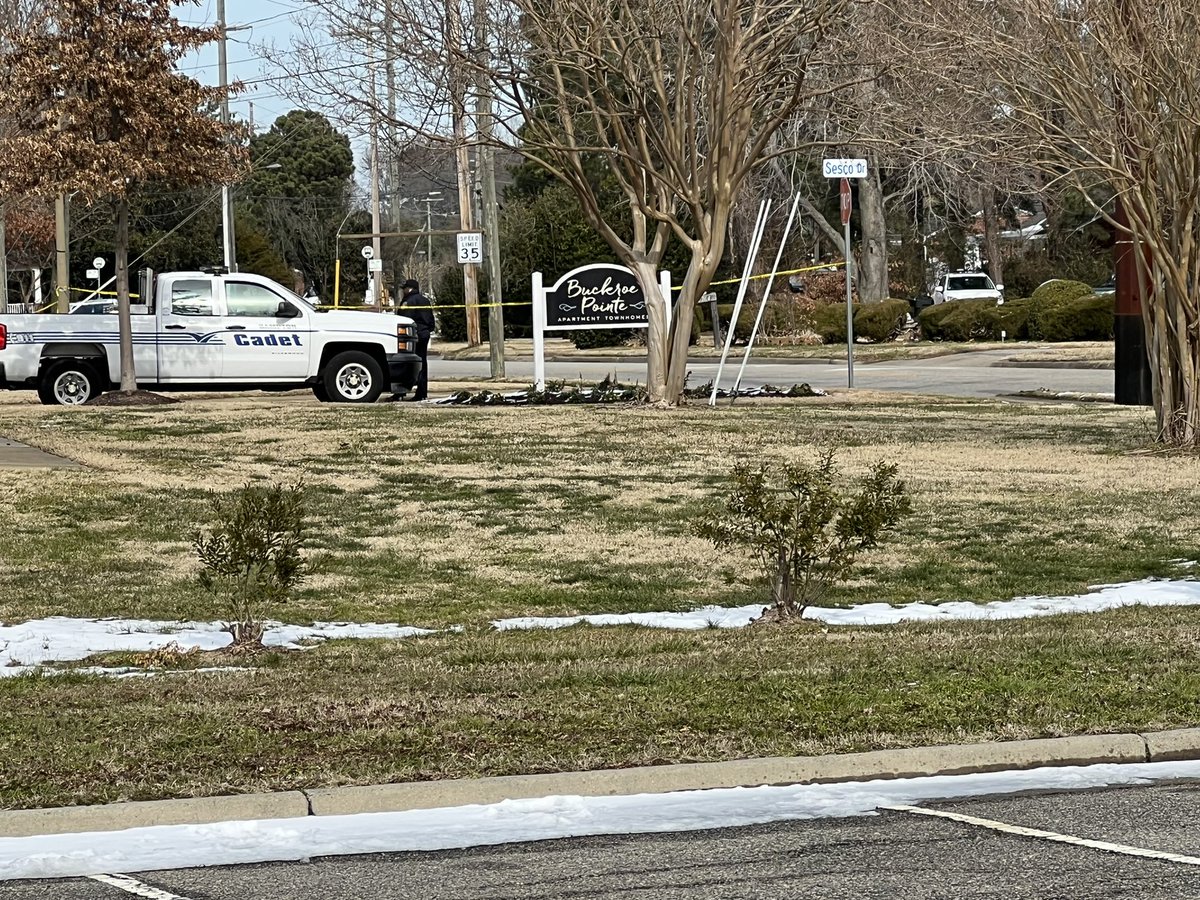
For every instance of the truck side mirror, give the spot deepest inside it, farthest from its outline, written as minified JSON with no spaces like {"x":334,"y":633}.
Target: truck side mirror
{"x":285,"y":310}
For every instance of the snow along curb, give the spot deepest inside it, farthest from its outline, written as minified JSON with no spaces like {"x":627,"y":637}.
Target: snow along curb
{"x":954,"y":759}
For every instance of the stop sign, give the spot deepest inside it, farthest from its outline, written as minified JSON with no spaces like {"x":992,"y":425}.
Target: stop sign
{"x":846,"y":204}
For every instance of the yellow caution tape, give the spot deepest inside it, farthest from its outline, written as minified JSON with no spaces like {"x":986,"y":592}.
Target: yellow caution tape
{"x":102,"y":293}
{"x":831,"y":265}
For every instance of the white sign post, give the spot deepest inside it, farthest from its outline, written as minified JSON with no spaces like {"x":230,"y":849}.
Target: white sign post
{"x":470,"y":247}
{"x":845,"y":169}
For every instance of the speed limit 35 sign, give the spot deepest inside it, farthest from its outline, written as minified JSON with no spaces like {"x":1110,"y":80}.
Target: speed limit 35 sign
{"x":470,"y":247}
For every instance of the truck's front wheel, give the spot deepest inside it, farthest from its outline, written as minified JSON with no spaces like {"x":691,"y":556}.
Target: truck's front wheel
{"x":353,"y":377}
{"x":68,"y":382}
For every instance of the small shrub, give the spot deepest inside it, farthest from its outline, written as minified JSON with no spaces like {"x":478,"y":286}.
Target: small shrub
{"x":802,"y":528}
{"x":879,"y":322}
{"x":251,"y":559}
{"x":1060,"y":290}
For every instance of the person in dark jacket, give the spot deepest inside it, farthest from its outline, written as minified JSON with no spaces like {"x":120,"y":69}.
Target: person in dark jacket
{"x":416,"y":306}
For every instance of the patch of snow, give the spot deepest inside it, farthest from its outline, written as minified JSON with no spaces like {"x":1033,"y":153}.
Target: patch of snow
{"x":1147,"y":592}
{"x":235,"y":843}
{"x":28,"y":645}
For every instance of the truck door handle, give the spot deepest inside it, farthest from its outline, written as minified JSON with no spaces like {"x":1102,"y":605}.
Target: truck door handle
{"x":235,"y":327}
{"x":175,"y":327}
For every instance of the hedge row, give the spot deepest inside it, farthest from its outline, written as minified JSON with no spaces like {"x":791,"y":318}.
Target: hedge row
{"x":1077,"y":318}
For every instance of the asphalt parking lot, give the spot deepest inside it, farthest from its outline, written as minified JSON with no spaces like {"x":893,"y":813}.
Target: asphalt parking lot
{"x":893,"y":854}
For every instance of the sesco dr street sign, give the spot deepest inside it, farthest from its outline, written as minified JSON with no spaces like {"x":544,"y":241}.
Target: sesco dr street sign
{"x":844,"y":168}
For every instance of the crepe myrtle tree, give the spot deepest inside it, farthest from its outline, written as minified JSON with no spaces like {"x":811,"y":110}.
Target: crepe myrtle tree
{"x":1102,"y":96}
{"x":677,"y":100}
{"x":673,"y":102}
{"x":95,"y":106}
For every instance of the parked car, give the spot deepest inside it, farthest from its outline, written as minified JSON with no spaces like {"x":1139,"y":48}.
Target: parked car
{"x":94,"y":308}
{"x":967,"y":286}
{"x":105,"y":308}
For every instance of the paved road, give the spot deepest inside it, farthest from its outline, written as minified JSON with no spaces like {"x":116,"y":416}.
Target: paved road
{"x":964,"y":375}
{"x":895,"y":854}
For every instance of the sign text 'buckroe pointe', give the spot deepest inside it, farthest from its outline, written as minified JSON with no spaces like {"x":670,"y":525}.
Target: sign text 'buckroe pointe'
{"x":599,"y":295}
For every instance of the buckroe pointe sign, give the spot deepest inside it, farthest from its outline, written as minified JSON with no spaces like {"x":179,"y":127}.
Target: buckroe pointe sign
{"x":596,"y":296}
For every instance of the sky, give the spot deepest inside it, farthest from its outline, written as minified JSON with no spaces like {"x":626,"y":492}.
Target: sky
{"x":264,"y":21}
{"x":230,"y":843}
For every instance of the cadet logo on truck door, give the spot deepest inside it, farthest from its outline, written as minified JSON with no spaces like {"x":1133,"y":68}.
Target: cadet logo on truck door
{"x":270,"y":340}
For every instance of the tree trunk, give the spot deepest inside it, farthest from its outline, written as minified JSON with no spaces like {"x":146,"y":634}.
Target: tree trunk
{"x":991,"y":234}
{"x":834,"y":236}
{"x":128,"y":376}
{"x":873,"y":257}
{"x":658,"y":338}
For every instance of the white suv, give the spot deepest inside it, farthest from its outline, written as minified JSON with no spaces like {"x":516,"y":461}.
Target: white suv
{"x":967,"y":286}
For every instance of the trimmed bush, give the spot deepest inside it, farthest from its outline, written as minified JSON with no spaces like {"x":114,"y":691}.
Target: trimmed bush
{"x":1087,"y":318}
{"x":879,"y":321}
{"x":1061,"y":289}
{"x":595,"y":338}
{"x":829,"y":321}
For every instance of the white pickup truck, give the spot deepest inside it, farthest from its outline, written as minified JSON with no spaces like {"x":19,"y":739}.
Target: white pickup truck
{"x":213,"y":331}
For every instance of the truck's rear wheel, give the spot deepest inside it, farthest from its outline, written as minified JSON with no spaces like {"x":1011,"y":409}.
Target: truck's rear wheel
{"x":68,"y":382}
{"x":353,"y":377}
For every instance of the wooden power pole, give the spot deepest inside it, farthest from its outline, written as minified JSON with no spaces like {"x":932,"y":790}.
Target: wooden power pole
{"x":490,"y":208}
{"x":462,"y":159}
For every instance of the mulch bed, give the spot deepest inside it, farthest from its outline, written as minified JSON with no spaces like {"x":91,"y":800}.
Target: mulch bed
{"x":137,"y":398}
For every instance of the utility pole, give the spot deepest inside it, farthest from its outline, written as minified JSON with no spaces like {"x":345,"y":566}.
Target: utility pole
{"x":376,"y":262}
{"x":458,"y":101}
{"x":429,"y":242}
{"x":227,"y":235}
{"x":391,"y":179}
{"x":490,"y":208}
{"x":3,"y":263}
{"x":62,"y":254}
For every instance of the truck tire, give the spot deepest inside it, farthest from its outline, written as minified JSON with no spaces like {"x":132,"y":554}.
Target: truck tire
{"x":319,"y":391}
{"x":68,"y":382}
{"x":353,"y":377}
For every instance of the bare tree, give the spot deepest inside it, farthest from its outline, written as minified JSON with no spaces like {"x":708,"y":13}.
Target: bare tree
{"x":672,"y":101}
{"x":97,"y":106}
{"x":676,"y":101}
{"x":1100,"y":92}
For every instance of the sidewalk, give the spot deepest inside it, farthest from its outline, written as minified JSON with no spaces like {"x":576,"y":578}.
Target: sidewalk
{"x":956,"y":759}
{"x":20,"y":456}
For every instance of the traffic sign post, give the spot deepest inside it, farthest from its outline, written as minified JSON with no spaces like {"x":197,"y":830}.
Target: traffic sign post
{"x":845,"y":169}
{"x":470,"y":247}
{"x":847,"y":205}
{"x":368,"y":253}
{"x":96,"y":271}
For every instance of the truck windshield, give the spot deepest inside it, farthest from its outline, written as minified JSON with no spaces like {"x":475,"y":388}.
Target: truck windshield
{"x":970,"y":283}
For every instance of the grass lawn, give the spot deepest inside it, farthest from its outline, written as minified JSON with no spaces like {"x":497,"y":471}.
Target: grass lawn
{"x":454,"y":516}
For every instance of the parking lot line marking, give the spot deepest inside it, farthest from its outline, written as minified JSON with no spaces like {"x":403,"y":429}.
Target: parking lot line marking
{"x":1049,"y":835}
{"x":135,"y":887}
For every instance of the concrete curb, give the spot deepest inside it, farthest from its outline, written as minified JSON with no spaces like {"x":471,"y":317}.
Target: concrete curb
{"x":139,"y":814}
{"x":954,"y":759}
